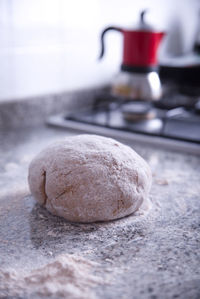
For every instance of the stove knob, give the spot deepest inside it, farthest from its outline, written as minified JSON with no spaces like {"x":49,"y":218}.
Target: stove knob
{"x":197,"y":107}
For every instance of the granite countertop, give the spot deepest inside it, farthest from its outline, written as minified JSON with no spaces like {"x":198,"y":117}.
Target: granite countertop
{"x":155,"y":255}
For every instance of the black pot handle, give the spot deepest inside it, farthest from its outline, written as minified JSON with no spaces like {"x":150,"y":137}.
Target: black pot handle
{"x":102,"y":38}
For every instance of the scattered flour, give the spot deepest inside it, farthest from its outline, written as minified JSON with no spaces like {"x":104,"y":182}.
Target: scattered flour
{"x":68,"y":276}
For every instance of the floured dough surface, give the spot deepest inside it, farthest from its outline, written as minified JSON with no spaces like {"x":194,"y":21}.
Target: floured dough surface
{"x":88,"y":178}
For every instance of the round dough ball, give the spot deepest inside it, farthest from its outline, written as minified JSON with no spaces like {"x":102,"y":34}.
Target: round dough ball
{"x":89,"y":178}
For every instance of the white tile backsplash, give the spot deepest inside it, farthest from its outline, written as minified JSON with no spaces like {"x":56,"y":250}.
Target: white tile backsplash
{"x":52,"y":45}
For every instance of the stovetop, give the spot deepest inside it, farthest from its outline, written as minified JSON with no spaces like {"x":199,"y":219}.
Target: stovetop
{"x":176,"y":120}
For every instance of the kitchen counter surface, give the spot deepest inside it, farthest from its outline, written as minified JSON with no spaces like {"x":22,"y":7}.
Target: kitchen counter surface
{"x":154,"y":255}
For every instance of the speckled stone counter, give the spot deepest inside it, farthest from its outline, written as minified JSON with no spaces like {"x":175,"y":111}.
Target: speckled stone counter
{"x":31,"y":111}
{"x":155,"y":255}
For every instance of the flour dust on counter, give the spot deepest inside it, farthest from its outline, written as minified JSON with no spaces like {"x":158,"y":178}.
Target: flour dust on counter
{"x":151,"y":255}
{"x":67,"y":276}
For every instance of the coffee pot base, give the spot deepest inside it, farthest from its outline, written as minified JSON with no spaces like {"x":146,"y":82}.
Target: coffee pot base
{"x":137,"y":86}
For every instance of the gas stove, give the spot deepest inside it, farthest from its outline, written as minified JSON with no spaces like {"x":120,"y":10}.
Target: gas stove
{"x":173,"y":122}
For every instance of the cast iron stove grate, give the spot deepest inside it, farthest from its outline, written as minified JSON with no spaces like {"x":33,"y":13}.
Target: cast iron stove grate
{"x":176,"y":121}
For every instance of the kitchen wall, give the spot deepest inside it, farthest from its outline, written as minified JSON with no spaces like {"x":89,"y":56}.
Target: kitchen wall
{"x":52,"y":45}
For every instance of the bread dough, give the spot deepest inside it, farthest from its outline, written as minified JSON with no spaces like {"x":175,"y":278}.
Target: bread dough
{"x":88,"y":178}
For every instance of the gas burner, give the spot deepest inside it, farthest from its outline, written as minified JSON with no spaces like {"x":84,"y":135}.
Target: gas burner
{"x":138,"y":111}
